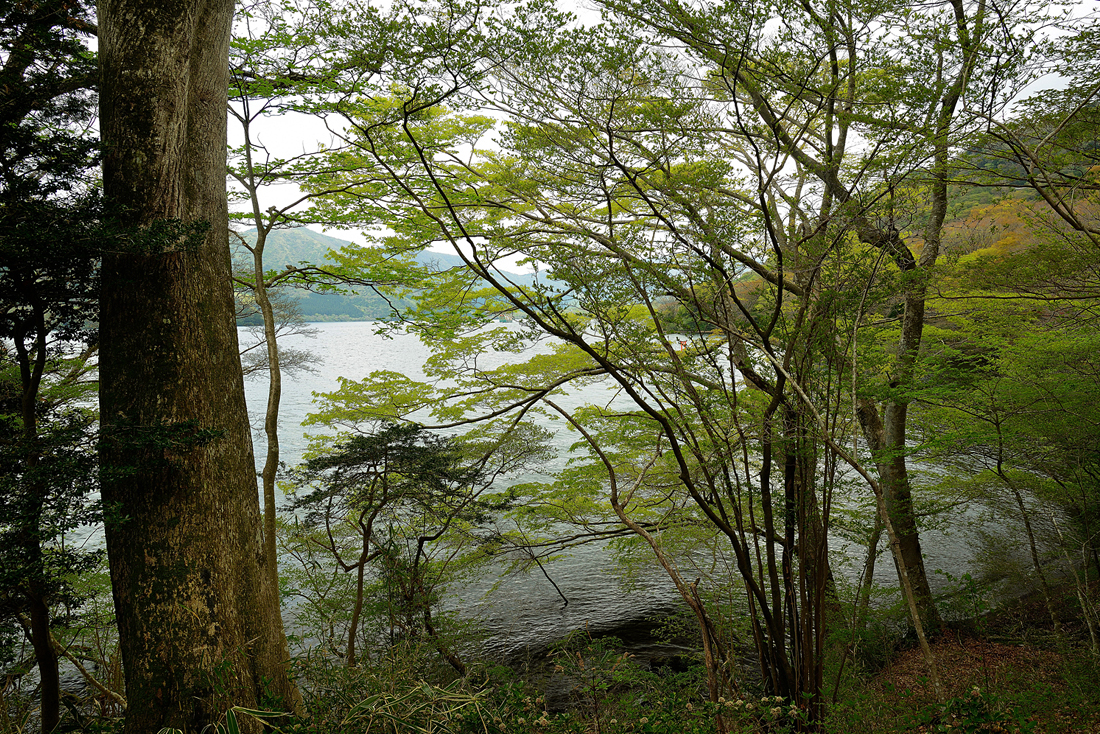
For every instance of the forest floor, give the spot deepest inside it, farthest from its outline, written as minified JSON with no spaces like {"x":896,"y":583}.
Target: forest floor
{"x":1005,"y":671}
{"x":1008,"y":671}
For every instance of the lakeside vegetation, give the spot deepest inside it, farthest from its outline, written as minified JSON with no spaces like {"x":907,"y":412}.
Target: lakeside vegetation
{"x":842,"y":277}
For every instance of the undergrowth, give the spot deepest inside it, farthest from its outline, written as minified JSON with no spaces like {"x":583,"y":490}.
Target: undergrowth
{"x":997,"y":681}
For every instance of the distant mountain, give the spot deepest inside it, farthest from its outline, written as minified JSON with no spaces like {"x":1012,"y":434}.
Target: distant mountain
{"x":302,"y":245}
{"x":295,"y":246}
{"x":290,"y":247}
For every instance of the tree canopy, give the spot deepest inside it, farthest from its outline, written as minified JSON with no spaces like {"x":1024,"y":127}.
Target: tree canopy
{"x":800,"y":251}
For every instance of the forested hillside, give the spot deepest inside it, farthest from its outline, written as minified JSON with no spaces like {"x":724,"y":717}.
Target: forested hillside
{"x":287,"y":247}
{"x":302,"y":245}
{"x":762,"y":300}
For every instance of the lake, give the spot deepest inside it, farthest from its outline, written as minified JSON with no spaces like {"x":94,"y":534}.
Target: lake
{"x":526,"y":610}
{"x":523,"y":610}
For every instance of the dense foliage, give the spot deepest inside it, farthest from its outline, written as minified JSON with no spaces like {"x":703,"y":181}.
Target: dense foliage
{"x":839,"y":276}
{"x":49,"y":214}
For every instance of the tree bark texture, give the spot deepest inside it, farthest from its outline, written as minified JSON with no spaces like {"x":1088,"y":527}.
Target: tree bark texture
{"x":199,"y":621}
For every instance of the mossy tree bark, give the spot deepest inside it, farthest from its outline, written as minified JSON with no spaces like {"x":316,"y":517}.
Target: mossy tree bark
{"x":198,"y":618}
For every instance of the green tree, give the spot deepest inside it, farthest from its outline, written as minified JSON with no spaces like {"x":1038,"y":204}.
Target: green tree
{"x":814,"y":107}
{"x":798,"y":156}
{"x":1006,"y":394}
{"x":292,"y":62}
{"x":47,"y":490}
{"x":691,"y":423}
{"x":1007,"y":406}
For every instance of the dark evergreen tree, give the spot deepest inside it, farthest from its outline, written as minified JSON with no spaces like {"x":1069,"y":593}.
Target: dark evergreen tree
{"x":49,"y":215}
{"x":398,"y":493}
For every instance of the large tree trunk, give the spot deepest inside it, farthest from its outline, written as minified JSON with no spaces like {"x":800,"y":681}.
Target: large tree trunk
{"x":199,"y":621}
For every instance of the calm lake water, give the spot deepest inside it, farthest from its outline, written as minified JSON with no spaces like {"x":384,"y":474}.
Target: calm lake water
{"x":525,"y":610}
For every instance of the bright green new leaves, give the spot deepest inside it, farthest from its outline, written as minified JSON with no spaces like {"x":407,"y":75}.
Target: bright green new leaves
{"x":623,"y":183}
{"x":733,"y":214}
{"x":1008,"y":399}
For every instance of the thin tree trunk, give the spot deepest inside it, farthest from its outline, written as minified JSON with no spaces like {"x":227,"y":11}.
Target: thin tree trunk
{"x":46,"y":658}
{"x":199,"y":622}
{"x":713,"y":656}
{"x":895,"y":545}
{"x":448,"y":654}
{"x":356,"y":611}
{"x":1048,"y":596}
{"x":271,"y":414}
{"x":894,"y":478}
{"x":274,"y":366}
{"x":32,"y":365}
{"x":868,"y":577}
